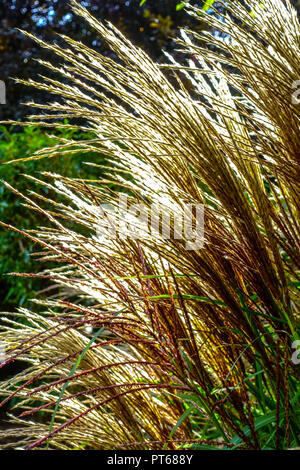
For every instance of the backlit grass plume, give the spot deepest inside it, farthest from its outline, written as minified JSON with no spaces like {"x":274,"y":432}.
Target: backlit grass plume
{"x":148,"y":344}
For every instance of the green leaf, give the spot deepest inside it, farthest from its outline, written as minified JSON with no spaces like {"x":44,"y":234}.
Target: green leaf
{"x":261,"y":422}
{"x":180,"y":6}
{"x":179,"y":422}
{"x":207,"y":5}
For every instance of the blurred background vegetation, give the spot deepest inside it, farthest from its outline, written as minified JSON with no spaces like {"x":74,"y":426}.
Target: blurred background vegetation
{"x":15,"y":250}
{"x":151,"y":24}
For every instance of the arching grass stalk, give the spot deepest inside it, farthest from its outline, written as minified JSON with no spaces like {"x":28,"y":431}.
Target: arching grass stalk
{"x":194,"y":346}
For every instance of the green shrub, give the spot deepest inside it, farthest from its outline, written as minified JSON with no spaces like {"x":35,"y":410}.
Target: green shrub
{"x":15,"y":251}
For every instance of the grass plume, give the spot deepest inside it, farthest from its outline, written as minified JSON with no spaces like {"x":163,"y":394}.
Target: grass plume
{"x":196,"y":345}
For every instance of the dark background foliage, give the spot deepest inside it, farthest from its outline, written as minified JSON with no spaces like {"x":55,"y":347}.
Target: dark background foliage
{"x":150,"y":25}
